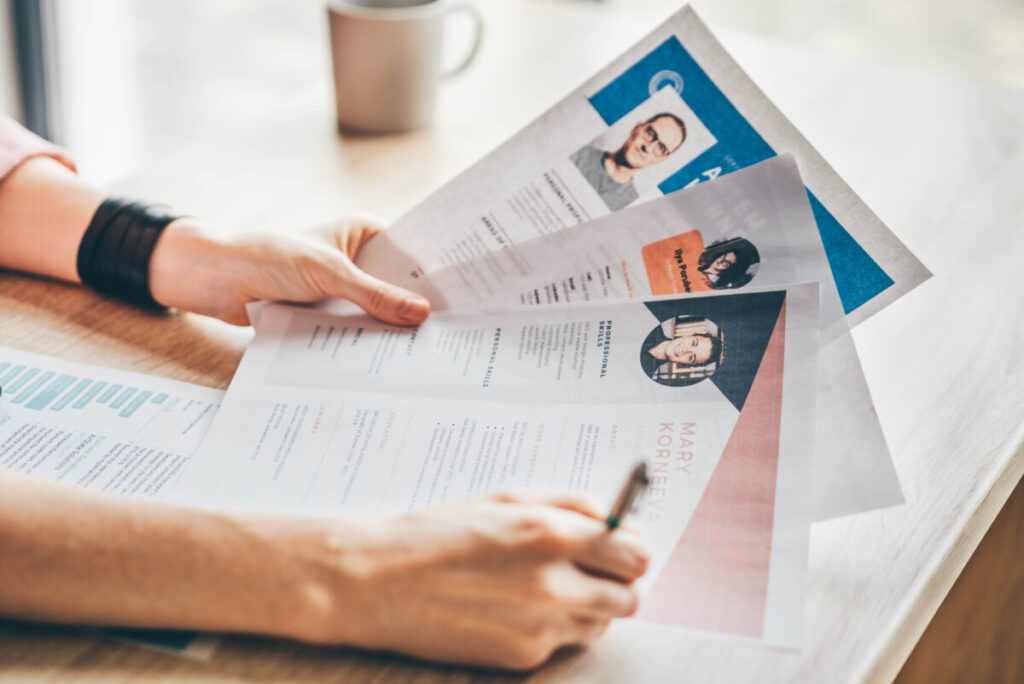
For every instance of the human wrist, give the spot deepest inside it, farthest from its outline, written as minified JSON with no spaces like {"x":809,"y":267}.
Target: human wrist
{"x":183,"y":271}
{"x":323,"y":570}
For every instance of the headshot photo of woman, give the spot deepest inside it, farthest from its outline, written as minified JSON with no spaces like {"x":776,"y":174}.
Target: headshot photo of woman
{"x":728,"y":264}
{"x":682,"y":350}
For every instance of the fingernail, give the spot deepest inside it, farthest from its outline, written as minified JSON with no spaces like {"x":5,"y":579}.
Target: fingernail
{"x":642,"y":560}
{"x":412,"y":309}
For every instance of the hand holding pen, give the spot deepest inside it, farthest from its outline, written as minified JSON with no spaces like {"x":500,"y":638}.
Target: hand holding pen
{"x":635,"y":484}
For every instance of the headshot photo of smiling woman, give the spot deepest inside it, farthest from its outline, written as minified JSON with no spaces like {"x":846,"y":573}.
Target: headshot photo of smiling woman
{"x":682,"y":350}
{"x":728,"y":264}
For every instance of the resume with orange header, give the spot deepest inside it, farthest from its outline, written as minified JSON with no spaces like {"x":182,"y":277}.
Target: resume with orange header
{"x":334,"y":414}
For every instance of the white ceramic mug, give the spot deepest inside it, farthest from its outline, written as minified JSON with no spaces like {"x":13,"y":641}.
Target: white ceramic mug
{"x":387,"y":60}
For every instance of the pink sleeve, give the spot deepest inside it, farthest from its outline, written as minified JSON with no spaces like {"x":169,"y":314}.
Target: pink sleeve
{"x":18,"y":144}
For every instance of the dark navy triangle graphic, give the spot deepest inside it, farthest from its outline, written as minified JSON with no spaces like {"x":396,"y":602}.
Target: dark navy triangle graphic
{"x":746,"y":321}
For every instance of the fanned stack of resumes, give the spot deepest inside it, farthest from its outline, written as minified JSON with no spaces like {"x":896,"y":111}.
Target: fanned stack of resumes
{"x":659,"y":268}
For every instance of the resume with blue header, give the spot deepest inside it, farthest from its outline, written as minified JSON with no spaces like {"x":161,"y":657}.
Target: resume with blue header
{"x":672,"y":112}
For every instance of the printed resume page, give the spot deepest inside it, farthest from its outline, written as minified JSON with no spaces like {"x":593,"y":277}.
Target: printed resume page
{"x":672,"y":112}
{"x":345,"y":415}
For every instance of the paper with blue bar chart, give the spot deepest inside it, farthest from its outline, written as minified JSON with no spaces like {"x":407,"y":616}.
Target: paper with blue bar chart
{"x":672,"y":112}
{"x":103,"y":429}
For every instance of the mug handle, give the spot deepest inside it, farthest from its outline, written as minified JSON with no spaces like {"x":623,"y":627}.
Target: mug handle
{"x":478,"y":34}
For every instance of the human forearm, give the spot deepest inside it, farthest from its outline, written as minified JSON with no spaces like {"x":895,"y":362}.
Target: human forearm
{"x":72,"y":556}
{"x":44,"y":211}
{"x":500,"y":581}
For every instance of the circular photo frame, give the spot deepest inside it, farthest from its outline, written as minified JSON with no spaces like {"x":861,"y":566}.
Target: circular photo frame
{"x":729,"y":264}
{"x":682,"y":351}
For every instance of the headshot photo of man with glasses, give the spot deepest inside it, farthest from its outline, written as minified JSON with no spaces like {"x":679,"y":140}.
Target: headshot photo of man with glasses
{"x":611,"y":173}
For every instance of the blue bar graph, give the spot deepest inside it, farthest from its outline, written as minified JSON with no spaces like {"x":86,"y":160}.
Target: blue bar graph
{"x":4,"y":365}
{"x":20,"y":381}
{"x":124,"y":396}
{"x":70,"y":396}
{"x":51,"y":392}
{"x":109,"y":394}
{"x":11,"y":374}
{"x":138,"y":401}
{"x":96,"y":388}
{"x":33,"y":387}
{"x":160,"y":398}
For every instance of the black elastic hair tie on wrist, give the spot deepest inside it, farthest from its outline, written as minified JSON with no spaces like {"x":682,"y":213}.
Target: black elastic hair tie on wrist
{"x":114,"y":255}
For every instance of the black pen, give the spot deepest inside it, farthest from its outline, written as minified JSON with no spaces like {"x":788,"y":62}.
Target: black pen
{"x":636,"y":483}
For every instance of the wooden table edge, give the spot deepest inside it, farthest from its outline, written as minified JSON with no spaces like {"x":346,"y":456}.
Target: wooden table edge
{"x":922,"y":607}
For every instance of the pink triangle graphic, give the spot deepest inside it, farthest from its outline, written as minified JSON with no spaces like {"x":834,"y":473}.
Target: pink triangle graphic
{"x":717,"y":576}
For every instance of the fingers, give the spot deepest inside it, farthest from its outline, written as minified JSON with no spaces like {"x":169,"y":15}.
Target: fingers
{"x":575,"y":609}
{"x":533,"y":647}
{"x":381,"y":300}
{"x":578,"y":531}
{"x":587,"y":628}
{"x":567,"y":592}
{"x":378,"y":298}
{"x":620,"y":554}
{"x":580,"y":564}
{"x":569,"y":524}
{"x":578,"y":502}
{"x":601,"y":598}
{"x":354,"y":232}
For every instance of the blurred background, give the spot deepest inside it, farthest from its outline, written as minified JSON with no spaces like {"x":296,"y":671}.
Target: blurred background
{"x":126,"y":83}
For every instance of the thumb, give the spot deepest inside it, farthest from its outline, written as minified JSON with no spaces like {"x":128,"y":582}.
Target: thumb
{"x":380,"y":299}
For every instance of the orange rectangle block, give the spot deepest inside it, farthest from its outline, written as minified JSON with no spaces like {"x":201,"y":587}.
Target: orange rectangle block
{"x":671,"y":264}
